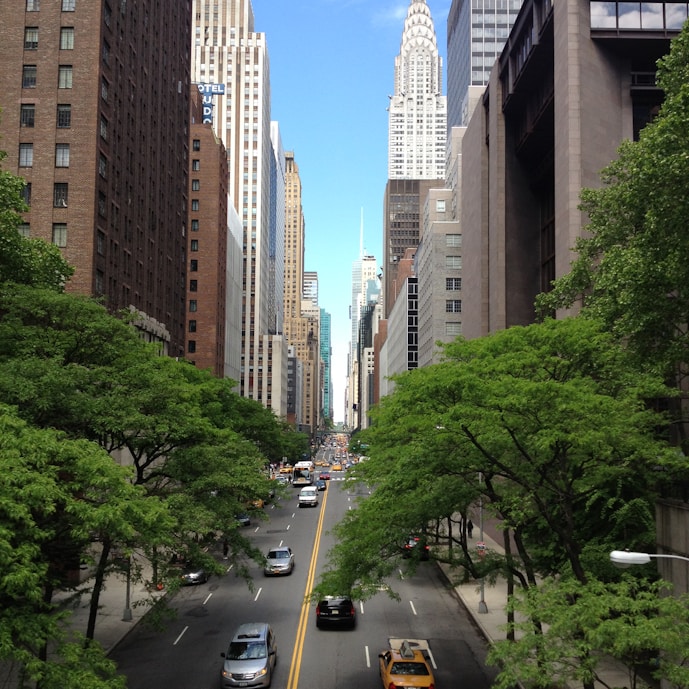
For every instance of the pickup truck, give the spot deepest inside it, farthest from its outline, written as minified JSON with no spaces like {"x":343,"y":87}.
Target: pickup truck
{"x":308,"y":497}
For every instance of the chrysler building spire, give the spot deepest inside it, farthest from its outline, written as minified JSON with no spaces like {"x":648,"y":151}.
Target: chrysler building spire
{"x":417,"y":128}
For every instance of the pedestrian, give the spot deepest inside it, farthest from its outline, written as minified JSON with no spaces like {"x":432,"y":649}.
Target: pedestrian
{"x":225,"y":549}
{"x":470,"y":528}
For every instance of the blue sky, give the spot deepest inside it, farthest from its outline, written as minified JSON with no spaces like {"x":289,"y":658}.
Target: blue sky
{"x":332,"y":68}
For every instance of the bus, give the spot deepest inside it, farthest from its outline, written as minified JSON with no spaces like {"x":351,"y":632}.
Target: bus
{"x":302,"y":473}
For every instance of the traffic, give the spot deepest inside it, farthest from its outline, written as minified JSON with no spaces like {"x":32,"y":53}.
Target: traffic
{"x":227,"y":633}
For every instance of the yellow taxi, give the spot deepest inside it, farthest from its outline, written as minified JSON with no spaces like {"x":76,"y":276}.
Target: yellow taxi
{"x":287,"y":469}
{"x":336,"y":467}
{"x":405,"y":666}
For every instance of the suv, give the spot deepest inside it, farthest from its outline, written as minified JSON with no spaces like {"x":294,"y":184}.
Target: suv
{"x":250,"y":658}
{"x":335,"y":611}
{"x":308,"y":497}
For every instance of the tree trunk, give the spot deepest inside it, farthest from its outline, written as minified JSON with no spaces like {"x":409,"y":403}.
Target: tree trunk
{"x":99,"y":578}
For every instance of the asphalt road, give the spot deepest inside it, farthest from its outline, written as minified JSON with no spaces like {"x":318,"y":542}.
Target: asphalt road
{"x":186,"y":655}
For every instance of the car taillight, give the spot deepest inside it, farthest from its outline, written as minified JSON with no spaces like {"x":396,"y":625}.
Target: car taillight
{"x":352,"y":611}
{"x":318,"y":611}
{"x":392,"y":685}
{"x":431,"y":686}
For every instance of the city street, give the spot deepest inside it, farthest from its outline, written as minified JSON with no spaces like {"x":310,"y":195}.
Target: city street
{"x":187,"y":653}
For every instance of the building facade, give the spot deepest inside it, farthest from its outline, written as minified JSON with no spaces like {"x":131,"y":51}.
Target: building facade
{"x":95,"y":117}
{"x":231,"y":59}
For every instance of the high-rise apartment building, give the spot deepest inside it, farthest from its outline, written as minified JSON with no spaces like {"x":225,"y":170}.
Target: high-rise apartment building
{"x":231,"y":60}
{"x":95,"y":117}
{"x":326,"y":359}
{"x":417,"y":133}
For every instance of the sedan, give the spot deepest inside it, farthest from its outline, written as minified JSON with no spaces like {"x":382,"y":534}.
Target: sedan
{"x":194,"y":575}
{"x":335,"y":611}
{"x":324,"y":475}
{"x":279,"y":561}
{"x":336,"y":467}
{"x":321,"y":484}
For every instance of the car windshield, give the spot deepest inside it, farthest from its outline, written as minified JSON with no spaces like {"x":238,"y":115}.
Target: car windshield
{"x":246,"y":650}
{"x":278,"y":554}
{"x":408,"y":668}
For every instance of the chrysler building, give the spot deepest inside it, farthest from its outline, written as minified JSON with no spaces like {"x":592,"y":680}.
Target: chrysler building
{"x":417,"y":128}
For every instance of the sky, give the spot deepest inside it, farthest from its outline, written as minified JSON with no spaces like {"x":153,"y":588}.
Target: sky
{"x":332,"y":68}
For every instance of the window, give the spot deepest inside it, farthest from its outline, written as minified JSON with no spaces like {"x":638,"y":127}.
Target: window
{"x":440,"y":205}
{"x":453,"y":262}
{"x":192,"y":326}
{"x":453,"y":329}
{"x":29,"y":73}
{"x":60,"y":234}
{"x":195,"y":165}
{"x":104,"y":90}
{"x":453,"y":306}
{"x":64,"y":116}
{"x":103,"y":166}
{"x":61,"y":155}
{"x":195,"y":185}
{"x":192,"y":305}
{"x":102,"y":204}
{"x":193,"y":265}
{"x":100,"y":243}
{"x":33,"y":5}
{"x":453,"y":284}
{"x":67,"y":38}
{"x":194,"y":204}
{"x":196,"y":145}
{"x":60,"y":190}
{"x":454,"y":240}
{"x":193,"y":286}
{"x":68,"y":5}
{"x":194,"y":225}
{"x":191,"y":346}
{"x":103,"y":128}
{"x":105,"y":53}
{"x":64,"y":77}
{"x":24,"y":229}
{"x":26,"y":194}
{"x":25,"y":155}
{"x":31,"y":38}
{"x":194,"y":245}
{"x":27,"y":114}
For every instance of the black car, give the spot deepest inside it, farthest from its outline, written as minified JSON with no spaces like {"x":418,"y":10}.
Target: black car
{"x":321,"y":484}
{"x":335,"y":611}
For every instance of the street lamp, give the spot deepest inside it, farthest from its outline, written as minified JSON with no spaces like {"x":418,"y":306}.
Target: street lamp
{"x":626,"y":558}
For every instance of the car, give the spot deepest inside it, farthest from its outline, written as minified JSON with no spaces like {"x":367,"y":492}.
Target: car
{"x":336,"y":467}
{"x":321,"y":484}
{"x":335,"y":611}
{"x":287,"y":469}
{"x":192,"y":576}
{"x":244,"y":519}
{"x":324,"y":475}
{"x":308,"y":497}
{"x":415,"y":542}
{"x":250,"y":658}
{"x":405,"y":666}
{"x":281,"y":480}
{"x":279,"y":560}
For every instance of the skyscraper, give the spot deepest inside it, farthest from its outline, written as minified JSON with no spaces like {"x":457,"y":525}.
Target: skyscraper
{"x":476,"y":34}
{"x":417,"y":121}
{"x":417,"y":133}
{"x":95,"y":117}
{"x":231,"y":59}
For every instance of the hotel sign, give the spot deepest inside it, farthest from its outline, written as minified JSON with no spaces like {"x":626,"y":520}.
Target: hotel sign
{"x":208,"y":91}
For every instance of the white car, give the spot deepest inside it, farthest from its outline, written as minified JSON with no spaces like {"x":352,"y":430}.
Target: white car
{"x":308,"y":497}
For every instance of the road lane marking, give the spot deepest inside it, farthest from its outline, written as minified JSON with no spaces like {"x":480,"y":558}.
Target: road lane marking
{"x":368,"y":657}
{"x":295,"y":665}
{"x":258,"y":593}
{"x":208,"y":597}
{"x":430,"y":655}
{"x":180,"y":635}
{"x":413,"y":609}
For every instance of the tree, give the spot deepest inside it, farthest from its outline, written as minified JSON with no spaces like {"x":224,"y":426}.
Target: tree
{"x":55,"y":494}
{"x":548,"y":424}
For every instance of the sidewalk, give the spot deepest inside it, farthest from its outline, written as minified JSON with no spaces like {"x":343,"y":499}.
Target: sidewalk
{"x":491,"y":617}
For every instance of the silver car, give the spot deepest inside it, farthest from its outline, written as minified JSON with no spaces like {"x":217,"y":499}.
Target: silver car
{"x":279,"y":561}
{"x":250,"y":657}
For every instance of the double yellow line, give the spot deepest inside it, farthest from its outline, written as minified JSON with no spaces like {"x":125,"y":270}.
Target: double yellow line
{"x":295,"y":667}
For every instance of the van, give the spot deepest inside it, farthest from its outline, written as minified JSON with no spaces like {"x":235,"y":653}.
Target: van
{"x":308,"y":497}
{"x":250,"y":657}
